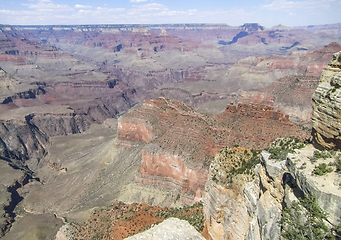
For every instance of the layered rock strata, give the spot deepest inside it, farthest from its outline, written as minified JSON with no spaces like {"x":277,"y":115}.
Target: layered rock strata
{"x":25,"y":132}
{"x":181,"y":141}
{"x":291,"y":93}
{"x":327,"y":106}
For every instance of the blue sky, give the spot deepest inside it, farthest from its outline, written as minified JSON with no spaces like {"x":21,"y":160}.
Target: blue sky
{"x":266,"y":12}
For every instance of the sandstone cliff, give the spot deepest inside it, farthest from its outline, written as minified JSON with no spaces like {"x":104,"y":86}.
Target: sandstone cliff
{"x":244,"y":197}
{"x":327,"y":106}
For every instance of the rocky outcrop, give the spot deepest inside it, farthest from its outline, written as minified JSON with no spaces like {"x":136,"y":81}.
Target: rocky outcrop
{"x":245,"y":205}
{"x":171,"y":172}
{"x":134,"y":130}
{"x":327,"y":106}
{"x":170,"y":229}
{"x":182,"y":141}
{"x":25,"y":132}
{"x":257,"y":111}
{"x":244,"y":197}
{"x":325,"y":188}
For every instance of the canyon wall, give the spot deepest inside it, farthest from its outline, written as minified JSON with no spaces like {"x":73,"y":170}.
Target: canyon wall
{"x":25,"y":132}
{"x":171,"y":172}
{"x":181,"y":141}
{"x":327,"y":106}
{"x":291,"y":93}
{"x":247,"y":202}
{"x":241,"y":206}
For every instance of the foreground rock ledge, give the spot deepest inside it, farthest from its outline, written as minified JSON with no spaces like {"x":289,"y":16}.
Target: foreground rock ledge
{"x":250,"y":206}
{"x":170,"y":229}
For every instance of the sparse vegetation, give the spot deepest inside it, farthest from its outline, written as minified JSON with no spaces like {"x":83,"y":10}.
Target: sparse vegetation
{"x":322,"y":169}
{"x":320,"y":154}
{"x":304,"y":165}
{"x":231,"y":162}
{"x":120,"y":220}
{"x":305,"y":220}
{"x":280,"y":148}
{"x":338,"y":163}
{"x":195,"y":218}
{"x":178,"y":197}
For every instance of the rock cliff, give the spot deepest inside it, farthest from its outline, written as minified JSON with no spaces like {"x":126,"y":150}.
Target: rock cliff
{"x":291,"y":93}
{"x":181,"y":141}
{"x":25,"y":132}
{"x":11,"y":180}
{"x":245,"y":192}
{"x":327,"y":106}
{"x":245,"y":205}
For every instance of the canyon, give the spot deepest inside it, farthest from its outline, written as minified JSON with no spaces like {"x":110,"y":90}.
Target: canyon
{"x":94,"y":114}
{"x":246,"y":198}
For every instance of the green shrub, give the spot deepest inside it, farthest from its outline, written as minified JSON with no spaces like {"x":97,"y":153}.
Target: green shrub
{"x":338,"y":163}
{"x":320,"y":154}
{"x":322,"y":169}
{"x":280,"y":148}
{"x":196,"y":219}
{"x":305,"y":220}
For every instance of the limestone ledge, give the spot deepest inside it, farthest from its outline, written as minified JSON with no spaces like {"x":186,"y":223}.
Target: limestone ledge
{"x":325,"y":188}
{"x":327,"y":106}
{"x":246,"y":208}
{"x":250,"y":208}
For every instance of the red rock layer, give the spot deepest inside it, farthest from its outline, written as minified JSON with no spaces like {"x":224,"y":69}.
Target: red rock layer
{"x":12,"y":59}
{"x":182,"y":142}
{"x":134,"y":131}
{"x":172,"y":166}
{"x":257,"y":111}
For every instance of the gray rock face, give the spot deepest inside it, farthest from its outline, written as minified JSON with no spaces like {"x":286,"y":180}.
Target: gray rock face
{"x":273,"y":168}
{"x":328,"y":196}
{"x":10,"y":179}
{"x":24,"y":136}
{"x":250,"y":208}
{"x":170,"y":229}
{"x":327,"y":106}
{"x":247,"y":207}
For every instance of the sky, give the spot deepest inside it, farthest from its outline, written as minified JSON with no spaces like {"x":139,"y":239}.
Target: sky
{"x":268,"y":13}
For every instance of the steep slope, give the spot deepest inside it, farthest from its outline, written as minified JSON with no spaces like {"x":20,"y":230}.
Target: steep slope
{"x":327,"y":106}
{"x":181,"y":141}
{"x":292,"y":94}
{"x":245,"y":196}
{"x":268,"y":196}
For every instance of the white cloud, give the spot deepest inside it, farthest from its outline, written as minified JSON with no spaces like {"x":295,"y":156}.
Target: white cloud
{"x":149,"y":7}
{"x":82,"y":6}
{"x":287,"y":12}
{"x":138,"y":0}
{"x":297,"y":5}
{"x":48,"y":6}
